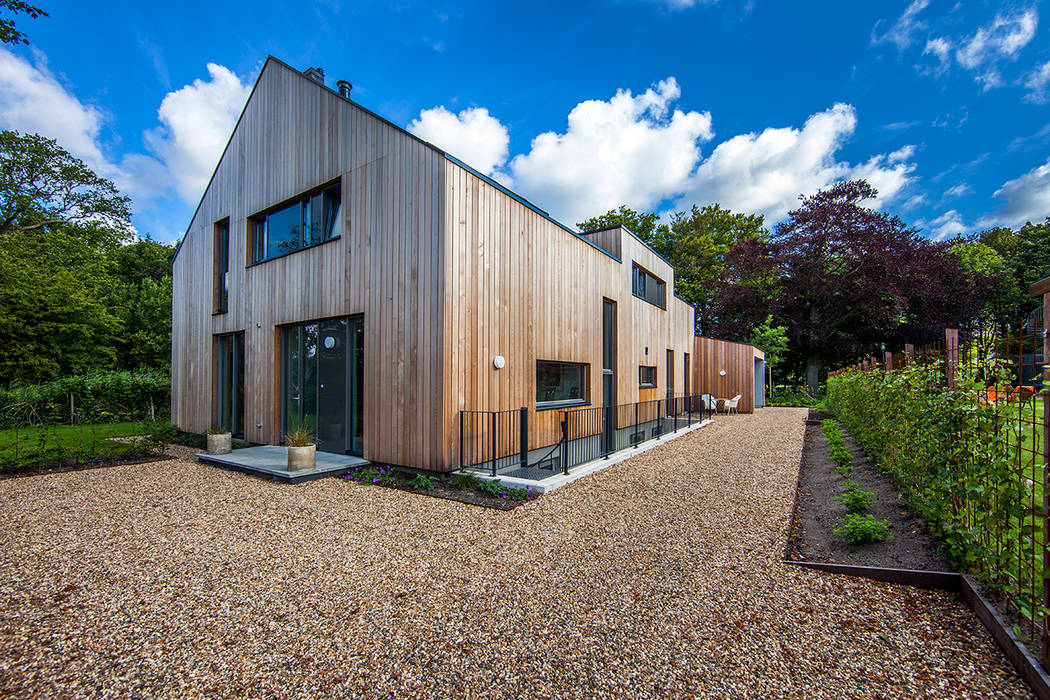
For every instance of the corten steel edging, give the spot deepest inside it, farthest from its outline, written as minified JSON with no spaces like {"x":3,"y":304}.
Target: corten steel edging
{"x":1002,"y":632}
{"x":944,"y":580}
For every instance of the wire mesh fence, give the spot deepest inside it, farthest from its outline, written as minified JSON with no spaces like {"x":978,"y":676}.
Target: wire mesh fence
{"x":961,"y":427}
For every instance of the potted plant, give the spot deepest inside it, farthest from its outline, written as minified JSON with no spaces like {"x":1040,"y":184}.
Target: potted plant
{"x":302,"y":450}
{"x":220,"y":440}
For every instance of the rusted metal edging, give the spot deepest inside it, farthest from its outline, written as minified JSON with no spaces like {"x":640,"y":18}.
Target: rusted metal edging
{"x":1013,"y":648}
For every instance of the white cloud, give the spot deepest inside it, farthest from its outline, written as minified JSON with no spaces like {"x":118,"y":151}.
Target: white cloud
{"x":765,"y":172}
{"x":941,"y":49}
{"x":32,"y":100}
{"x":958,"y":190}
{"x":901,"y":33}
{"x":474,"y":136}
{"x":947,"y":224}
{"x":1003,"y":38}
{"x":1038,"y":82}
{"x":631,"y":149}
{"x":1027,"y":198}
{"x":196,"y":122}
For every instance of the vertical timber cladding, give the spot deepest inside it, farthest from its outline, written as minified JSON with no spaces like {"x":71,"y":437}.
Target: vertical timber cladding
{"x":711,"y":356}
{"x":520,"y":286}
{"x":388,"y":263}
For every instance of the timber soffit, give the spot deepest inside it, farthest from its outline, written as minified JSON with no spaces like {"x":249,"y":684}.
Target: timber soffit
{"x":451,"y":158}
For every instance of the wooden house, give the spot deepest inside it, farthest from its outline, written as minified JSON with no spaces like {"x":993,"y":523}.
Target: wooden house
{"x":343,"y":274}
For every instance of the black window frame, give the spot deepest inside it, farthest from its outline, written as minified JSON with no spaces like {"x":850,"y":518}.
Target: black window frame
{"x":648,"y":287}
{"x":642,"y":371}
{"x":331,"y":222}
{"x":221,"y":284}
{"x":585,"y":372}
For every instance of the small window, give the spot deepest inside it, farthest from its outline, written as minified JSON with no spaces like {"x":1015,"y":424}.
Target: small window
{"x":221,"y":290}
{"x":560,"y":384}
{"x":648,"y":286}
{"x":646,"y":377}
{"x":308,"y":221}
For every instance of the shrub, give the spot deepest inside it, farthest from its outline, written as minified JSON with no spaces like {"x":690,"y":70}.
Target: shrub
{"x":863,"y":529}
{"x":299,"y":437}
{"x":98,"y":397}
{"x":784,"y":395}
{"x":855,"y":500}
{"x":466,"y":481}
{"x":422,"y":482}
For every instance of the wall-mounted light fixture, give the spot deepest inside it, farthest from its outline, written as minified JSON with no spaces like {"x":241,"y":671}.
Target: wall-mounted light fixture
{"x":722,"y":373}
{"x":499,"y":362}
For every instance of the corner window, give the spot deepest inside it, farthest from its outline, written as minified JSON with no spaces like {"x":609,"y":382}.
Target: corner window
{"x":646,"y":377}
{"x":308,"y":221}
{"x":646,"y":285}
{"x":221,"y":288}
{"x":560,"y":384}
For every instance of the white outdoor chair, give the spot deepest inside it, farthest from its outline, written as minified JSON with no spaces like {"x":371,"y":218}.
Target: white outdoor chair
{"x":731,"y":404}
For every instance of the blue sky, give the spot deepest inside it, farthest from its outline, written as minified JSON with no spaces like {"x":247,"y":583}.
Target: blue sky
{"x":579,"y":106}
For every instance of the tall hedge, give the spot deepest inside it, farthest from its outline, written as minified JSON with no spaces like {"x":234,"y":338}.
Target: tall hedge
{"x":98,"y":397}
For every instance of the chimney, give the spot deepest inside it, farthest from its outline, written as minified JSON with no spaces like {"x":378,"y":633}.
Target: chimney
{"x":315,"y":74}
{"x":344,"y":87}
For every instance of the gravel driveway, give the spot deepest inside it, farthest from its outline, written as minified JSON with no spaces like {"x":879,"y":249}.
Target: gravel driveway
{"x":660,"y":576}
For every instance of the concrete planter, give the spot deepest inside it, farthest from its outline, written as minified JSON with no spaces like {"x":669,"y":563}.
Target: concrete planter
{"x":301,"y":459}
{"x":220,"y":444}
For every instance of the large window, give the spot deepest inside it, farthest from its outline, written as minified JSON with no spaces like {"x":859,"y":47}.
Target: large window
{"x":648,"y":286}
{"x":646,"y":377}
{"x":308,"y":221}
{"x":229,"y":403}
{"x":221,"y":290}
{"x":560,"y":384}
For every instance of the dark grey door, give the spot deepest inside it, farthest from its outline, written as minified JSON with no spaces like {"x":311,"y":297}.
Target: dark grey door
{"x":609,"y":375}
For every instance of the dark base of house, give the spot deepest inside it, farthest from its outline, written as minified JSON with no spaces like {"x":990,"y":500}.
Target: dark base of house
{"x":271,"y":462}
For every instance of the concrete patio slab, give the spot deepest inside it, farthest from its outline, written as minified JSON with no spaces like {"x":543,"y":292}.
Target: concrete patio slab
{"x":271,"y":461}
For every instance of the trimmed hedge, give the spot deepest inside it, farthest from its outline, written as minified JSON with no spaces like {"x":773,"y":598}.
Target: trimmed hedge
{"x":98,"y":397}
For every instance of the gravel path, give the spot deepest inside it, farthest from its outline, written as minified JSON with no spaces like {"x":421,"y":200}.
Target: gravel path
{"x":659,"y":576}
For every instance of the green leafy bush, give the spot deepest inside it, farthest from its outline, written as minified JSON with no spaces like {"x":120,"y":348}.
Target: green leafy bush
{"x":422,"y":482}
{"x":787,"y":395}
{"x":373,"y":474}
{"x":98,"y":397}
{"x":855,"y":500}
{"x":839,"y":454}
{"x":863,"y":529}
{"x":466,"y":481}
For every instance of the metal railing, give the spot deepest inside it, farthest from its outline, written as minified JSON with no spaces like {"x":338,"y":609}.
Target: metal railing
{"x":498,"y":442}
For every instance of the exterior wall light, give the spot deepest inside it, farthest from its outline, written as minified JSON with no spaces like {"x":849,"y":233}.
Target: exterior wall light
{"x":722,"y":373}
{"x":498,"y":362}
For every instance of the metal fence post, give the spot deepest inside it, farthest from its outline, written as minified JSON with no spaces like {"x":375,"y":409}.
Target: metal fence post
{"x":524,"y":437}
{"x":1046,"y":485}
{"x":565,"y":443}
{"x":675,"y":414}
{"x":462,"y":463}
{"x":635,"y":433}
{"x":494,"y":424}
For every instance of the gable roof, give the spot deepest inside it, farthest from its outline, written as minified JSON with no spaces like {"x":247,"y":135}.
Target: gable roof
{"x":270,"y":59}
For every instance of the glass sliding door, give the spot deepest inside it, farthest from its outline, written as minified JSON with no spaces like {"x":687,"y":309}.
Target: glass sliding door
{"x":229,"y":404}
{"x":321,"y":378}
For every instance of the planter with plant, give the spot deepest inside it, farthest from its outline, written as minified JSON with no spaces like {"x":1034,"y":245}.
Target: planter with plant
{"x":302,"y":450}
{"x":220,"y":441}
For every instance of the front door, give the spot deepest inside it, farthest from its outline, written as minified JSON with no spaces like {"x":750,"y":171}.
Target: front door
{"x":322,"y":382}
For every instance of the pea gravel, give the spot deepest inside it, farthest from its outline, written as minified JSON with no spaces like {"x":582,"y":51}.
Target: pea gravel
{"x":660,"y":576}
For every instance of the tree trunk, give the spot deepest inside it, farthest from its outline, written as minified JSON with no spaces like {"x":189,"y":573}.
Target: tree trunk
{"x":813,"y":373}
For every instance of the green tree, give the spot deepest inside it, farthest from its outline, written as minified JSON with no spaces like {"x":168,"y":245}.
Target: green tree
{"x":53,"y":314}
{"x":771,"y":340}
{"x":8,"y":33}
{"x":141,"y":300}
{"x":697,"y":243}
{"x":641,"y":224}
{"x":42,"y":184}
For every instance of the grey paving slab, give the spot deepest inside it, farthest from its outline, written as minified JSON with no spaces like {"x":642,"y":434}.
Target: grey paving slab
{"x":272,"y":461}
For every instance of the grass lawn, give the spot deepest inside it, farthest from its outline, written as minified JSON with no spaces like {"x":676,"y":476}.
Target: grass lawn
{"x":21,"y":447}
